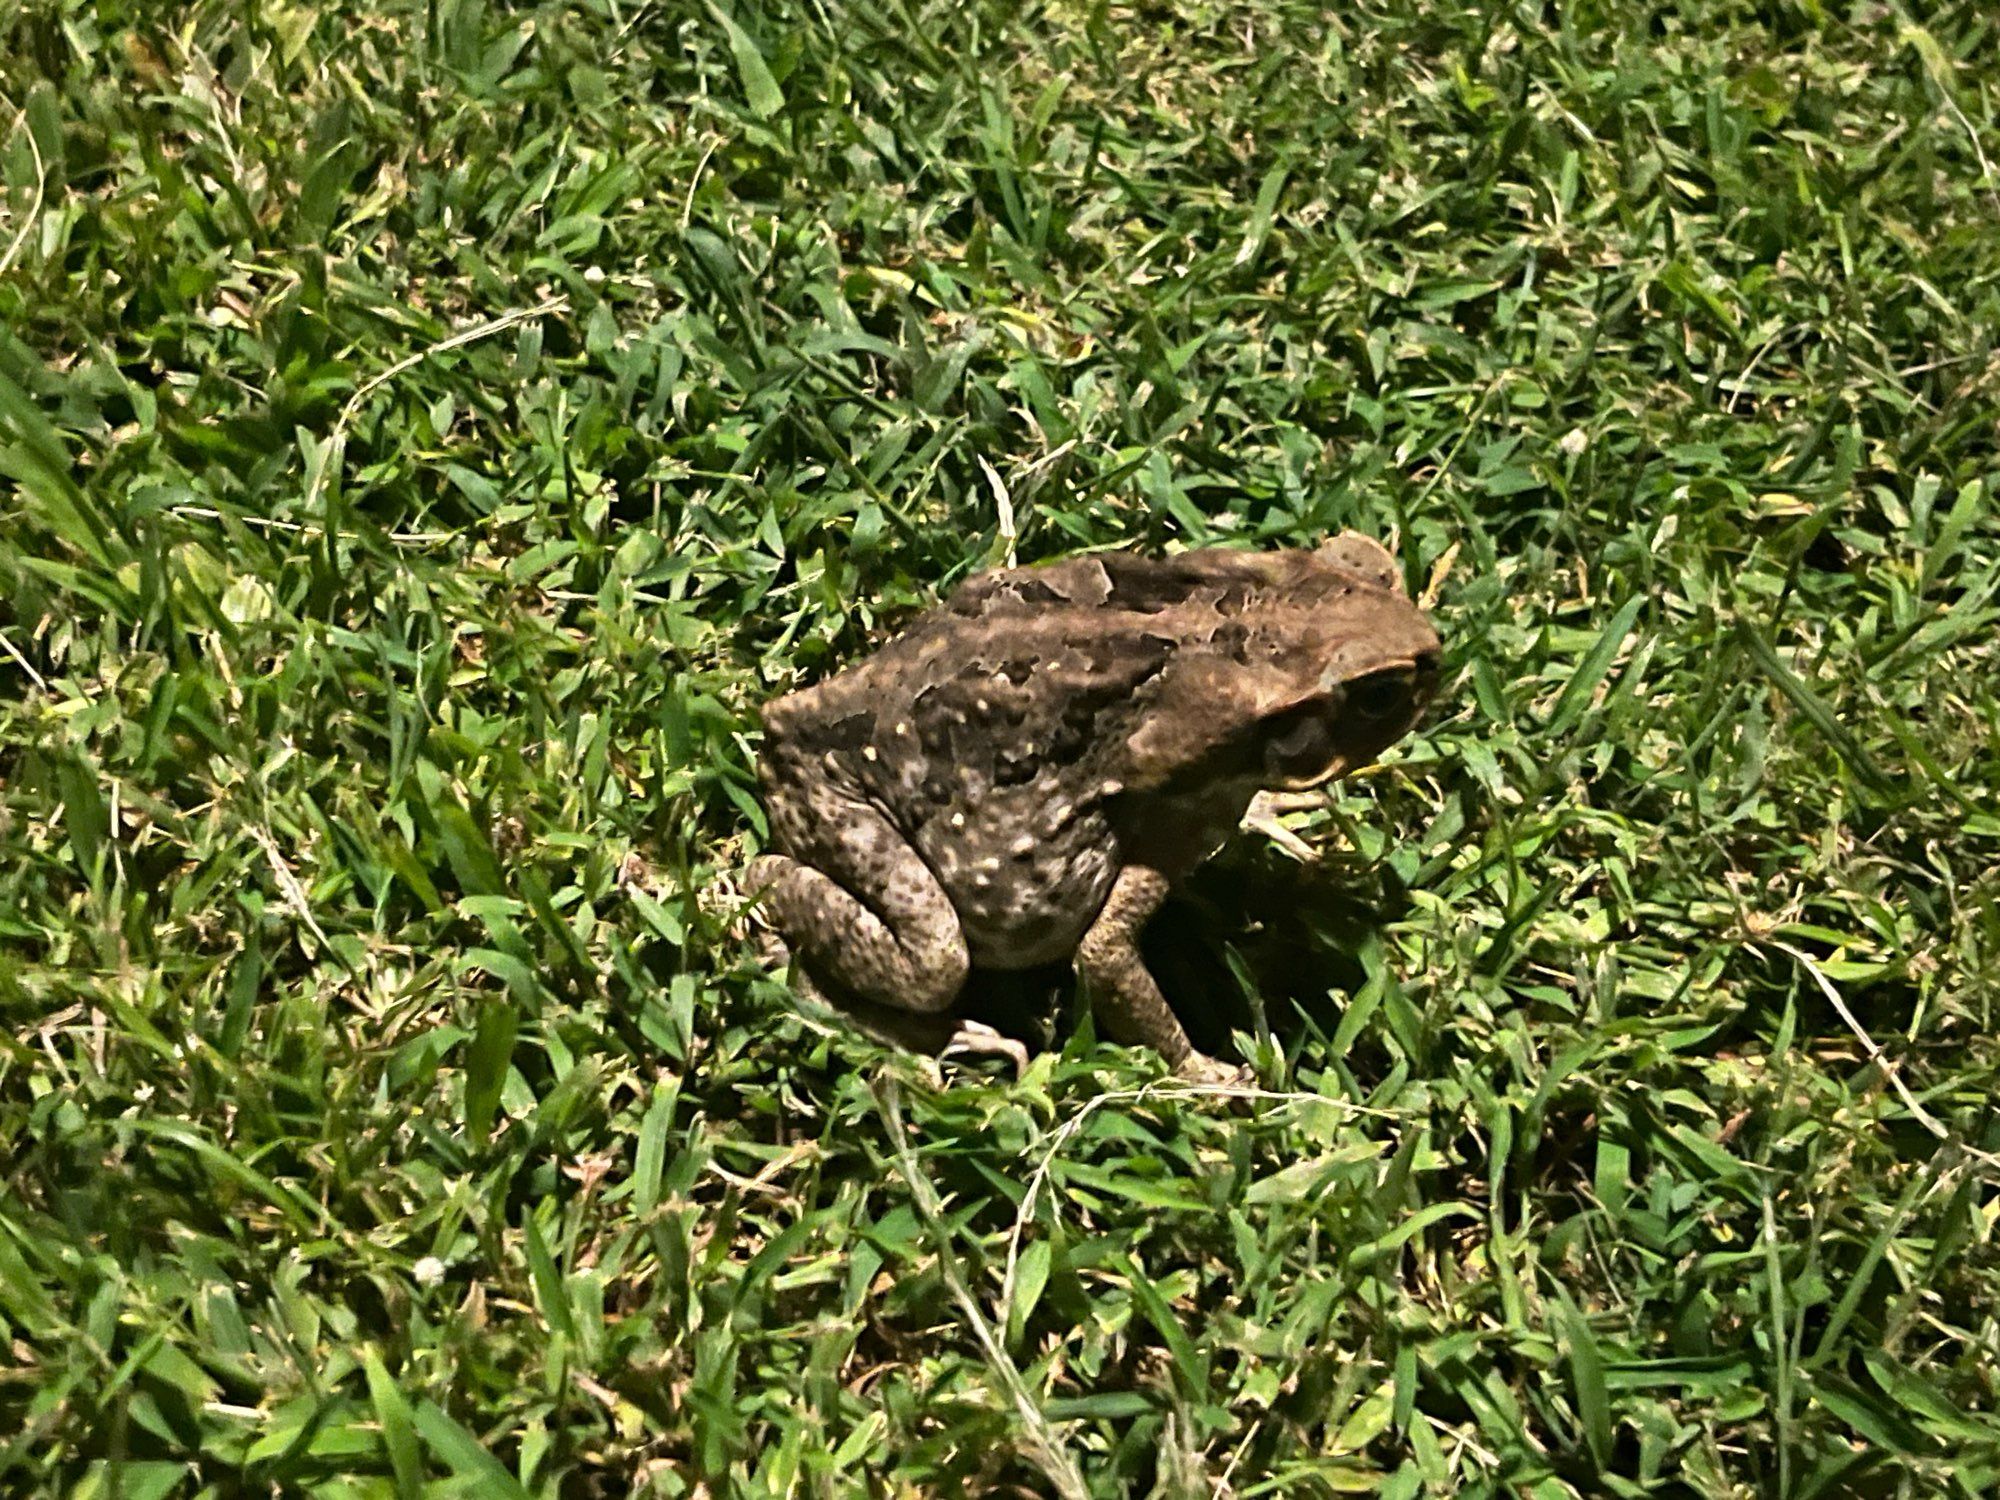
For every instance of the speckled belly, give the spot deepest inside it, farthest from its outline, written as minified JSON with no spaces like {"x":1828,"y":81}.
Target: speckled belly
{"x":1026,"y":883}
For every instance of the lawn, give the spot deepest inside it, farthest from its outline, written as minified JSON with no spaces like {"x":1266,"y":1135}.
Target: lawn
{"x":429,"y":430}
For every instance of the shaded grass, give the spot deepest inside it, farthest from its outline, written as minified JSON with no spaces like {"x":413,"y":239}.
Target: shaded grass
{"x":387,"y":1102}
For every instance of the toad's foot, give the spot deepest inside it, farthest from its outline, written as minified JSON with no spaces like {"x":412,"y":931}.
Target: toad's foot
{"x":976,"y":1038}
{"x":1199,"y":1067}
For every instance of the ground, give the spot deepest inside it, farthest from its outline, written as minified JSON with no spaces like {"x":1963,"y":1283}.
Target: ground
{"x":428,"y":430}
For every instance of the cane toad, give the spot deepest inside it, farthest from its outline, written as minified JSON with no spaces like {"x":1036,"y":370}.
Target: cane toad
{"x":1019,"y":776}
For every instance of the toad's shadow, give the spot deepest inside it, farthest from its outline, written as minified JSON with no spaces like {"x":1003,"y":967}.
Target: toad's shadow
{"x":1294,"y":930}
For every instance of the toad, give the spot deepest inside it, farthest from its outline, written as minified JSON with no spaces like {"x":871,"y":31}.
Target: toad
{"x":1020,"y":776}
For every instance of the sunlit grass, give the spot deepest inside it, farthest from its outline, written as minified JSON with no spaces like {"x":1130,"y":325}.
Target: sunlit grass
{"x":428,"y":430}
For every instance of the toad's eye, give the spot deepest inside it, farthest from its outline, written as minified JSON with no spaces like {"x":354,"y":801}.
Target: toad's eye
{"x":1385,"y":695}
{"x":1299,"y":746}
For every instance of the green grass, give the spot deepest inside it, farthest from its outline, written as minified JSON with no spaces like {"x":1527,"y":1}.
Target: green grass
{"x":427,"y":431}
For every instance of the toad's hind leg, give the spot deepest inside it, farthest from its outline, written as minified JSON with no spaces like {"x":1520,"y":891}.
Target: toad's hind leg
{"x":857,"y":905}
{"x":937,"y":1036}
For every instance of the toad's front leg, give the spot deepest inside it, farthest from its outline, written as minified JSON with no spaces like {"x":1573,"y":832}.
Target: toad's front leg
{"x":1124,"y":996}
